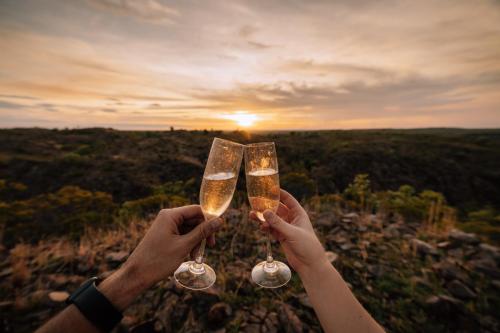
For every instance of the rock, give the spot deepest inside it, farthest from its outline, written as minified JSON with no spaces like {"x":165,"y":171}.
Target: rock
{"x":324,"y":220}
{"x":61,"y":280}
{"x":489,"y":251}
{"x":449,"y":270}
{"x":351,"y":216}
{"x":6,"y":272}
{"x":129,"y":321}
{"x":486,"y":266}
{"x":258,"y":314}
{"x":454,"y":313}
{"x":443,"y":245}
{"x":488,"y":248}
{"x":210,"y":295}
{"x":5,"y":305}
{"x":339,"y":239}
{"x":463,"y":237}
{"x":331,"y":256}
{"x":289,"y":320}
{"x":58,"y":296}
{"x":218,"y":314}
{"x":421,"y":247}
{"x":419,"y":281}
{"x":346,"y":246}
{"x":271,"y":323}
{"x":252,"y":328}
{"x":457,"y":253}
{"x":443,"y":305}
{"x":304,"y":300}
{"x":118,"y":256}
{"x":376,"y":270}
{"x":460,"y":290}
{"x":391,"y":231}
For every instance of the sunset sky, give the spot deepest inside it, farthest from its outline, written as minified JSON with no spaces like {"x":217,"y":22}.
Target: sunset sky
{"x":256,"y":64}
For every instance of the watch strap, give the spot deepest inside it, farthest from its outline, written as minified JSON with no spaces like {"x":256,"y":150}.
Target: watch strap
{"x":95,"y":306}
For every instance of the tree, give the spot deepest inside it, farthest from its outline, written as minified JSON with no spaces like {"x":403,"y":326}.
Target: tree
{"x":299,"y":184}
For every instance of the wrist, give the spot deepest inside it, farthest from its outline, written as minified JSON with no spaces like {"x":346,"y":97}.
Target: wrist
{"x":123,"y":286}
{"x":310,"y":274}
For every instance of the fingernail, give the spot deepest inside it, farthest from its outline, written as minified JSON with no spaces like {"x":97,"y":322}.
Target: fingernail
{"x":268,"y":215}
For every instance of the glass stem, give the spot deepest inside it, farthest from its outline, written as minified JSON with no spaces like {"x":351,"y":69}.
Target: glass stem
{"x":201,"y":252}
{"x":269,"y":253}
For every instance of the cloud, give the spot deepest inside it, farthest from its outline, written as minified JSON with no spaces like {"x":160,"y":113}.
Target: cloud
{"x":108,"y":110}
{"x":47,"y":107}
{"x":9,"y":105}
{"x":17,"y":97}
{"x":248,"y":30}
{"x":147,"y":10}
{"x":353,"y":71}
{"x":313,"y":64}
{"x":259,"y":45}
{"x":407,"y":96}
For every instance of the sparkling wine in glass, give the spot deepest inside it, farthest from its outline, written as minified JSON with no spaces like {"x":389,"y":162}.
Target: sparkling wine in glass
{"x":217,"y":189}
{"x":263,"y":189}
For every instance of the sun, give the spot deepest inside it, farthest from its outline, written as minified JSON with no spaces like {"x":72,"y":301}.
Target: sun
{"x":242,"y":118}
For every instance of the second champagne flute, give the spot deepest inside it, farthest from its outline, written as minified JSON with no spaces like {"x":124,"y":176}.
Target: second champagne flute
{"x":263,"y":188}
{"x":217,"y":189}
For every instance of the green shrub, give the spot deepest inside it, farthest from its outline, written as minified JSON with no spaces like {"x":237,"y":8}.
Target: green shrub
{"x":66,"y":212}
{"x":359,"y":192}
{"x":150,"y":205}
{"x":484,"y":222}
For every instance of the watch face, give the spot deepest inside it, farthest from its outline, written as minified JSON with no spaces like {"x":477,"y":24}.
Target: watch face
{"x":80,"y":289}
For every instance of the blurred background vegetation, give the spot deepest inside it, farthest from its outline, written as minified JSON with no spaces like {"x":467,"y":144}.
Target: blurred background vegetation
{"x":385,"y":204}
{"x":60,"y":182}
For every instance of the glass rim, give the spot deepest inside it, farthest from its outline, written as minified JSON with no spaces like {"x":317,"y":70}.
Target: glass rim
{"x":229,"y":141}
{"x":258,"y":144}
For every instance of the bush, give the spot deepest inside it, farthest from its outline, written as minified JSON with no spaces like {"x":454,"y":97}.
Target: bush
{"x":299,"y":184}
{"x":10,"y":190}
{"x":66,"y":212}
{"x":484,"y":222}
{"x":150,"y":205}
{"x":359,"y":192}
{"x":427,"y":207}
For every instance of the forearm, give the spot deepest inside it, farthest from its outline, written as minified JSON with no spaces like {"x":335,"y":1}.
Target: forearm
{"x":120,"y":288}
{"x":335,"y":305}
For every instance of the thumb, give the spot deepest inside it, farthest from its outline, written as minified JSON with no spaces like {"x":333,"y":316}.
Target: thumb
{"x":203,"y":231}
{"x":277,"y":223}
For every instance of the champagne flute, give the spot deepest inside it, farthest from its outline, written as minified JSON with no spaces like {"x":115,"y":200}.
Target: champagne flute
{"x":217,"y":189}
{"x":263,"y":188}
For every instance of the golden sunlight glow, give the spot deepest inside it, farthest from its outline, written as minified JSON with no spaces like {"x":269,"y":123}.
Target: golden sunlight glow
{"x":242,"y":118}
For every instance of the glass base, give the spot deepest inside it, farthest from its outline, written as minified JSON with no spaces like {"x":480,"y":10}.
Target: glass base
{"x":195,"y":276}
{"x":271,"y":275}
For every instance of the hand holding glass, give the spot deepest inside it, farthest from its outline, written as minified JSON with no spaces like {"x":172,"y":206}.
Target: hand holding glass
{"x":217,"y":189}
{"x":262,"y":177}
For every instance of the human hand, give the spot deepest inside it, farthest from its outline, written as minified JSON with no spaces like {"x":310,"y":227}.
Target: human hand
{"x":174,"y":234}
{"x":292,"y":227}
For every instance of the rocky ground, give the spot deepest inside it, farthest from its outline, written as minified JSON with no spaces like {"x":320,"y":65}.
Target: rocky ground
{"x":410,"y":279}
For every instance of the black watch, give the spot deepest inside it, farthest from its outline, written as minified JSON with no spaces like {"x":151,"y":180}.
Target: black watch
{"x":95,"y":306}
